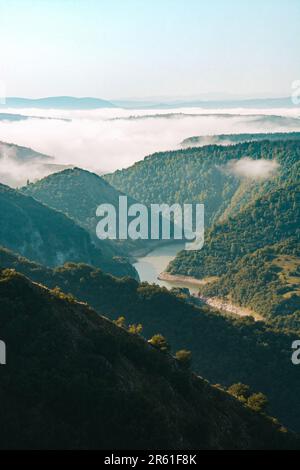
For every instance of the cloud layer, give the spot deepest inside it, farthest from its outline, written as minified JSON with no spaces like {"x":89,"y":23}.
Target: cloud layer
{"x":253,"y":169}
{"x":94,"y":140}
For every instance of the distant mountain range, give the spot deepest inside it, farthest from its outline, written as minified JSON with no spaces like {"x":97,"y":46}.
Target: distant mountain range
{"x":261,"y":103}
{"x":232,"y":139}
{"x":266,"y":119}
{"x":57,"y":102}
{"x":70,"y":102}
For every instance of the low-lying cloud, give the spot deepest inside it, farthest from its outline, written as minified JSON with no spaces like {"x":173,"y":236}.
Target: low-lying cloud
{"x":94,"y":140}
{"x":253,"y":169}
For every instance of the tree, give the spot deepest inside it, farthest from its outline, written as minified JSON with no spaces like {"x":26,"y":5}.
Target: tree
{"x":240,"y":391}
{"x":159,"y":342}
{"x":184,"y":357}
{"x":135,"y":328}
{"x":258,"y":402}
{"x":62,"y":295}
{"x":121,"y":322}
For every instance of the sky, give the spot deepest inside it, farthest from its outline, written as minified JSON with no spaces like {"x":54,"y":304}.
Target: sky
{"x":118,"y":49}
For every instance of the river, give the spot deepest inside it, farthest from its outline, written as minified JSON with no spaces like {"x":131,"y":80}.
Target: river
{"x":150,"y":266}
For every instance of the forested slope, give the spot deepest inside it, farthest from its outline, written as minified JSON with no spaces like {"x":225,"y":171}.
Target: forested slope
{"x":224,"y":350}
{"x":75,"y":380}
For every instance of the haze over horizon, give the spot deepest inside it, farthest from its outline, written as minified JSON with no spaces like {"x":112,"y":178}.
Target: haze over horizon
{"x":212,"y":96}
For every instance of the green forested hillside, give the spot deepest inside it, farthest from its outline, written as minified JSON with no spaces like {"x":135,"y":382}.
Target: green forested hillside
{"x":49,"y":237}
{"x":224,"y":350}
{"x":256,"y":255}
{"x":267,"y":281}
{"x":203,"y":175}
{"x":74,"y":380}
{"x":251,"y":248}
{"x":254,"y":252}
{"x":270,"y":219}
{"x":77,"y":193}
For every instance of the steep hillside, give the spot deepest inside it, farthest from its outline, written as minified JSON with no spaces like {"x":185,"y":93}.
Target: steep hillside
{"x":48,"y":236}
{"x":207,"y":175}
{"x":254,"y":256}
{"x":267,"y":281}
{"x":75,"y":380}
{"x":271,"y":218}
{"x":77,"y":193}
{"x":224,"y":350}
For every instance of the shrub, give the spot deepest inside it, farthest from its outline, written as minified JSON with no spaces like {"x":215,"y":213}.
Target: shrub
{"x":159,"y":342}
{"x":121,"y":322}
{"x":135,"y":329}
{"x":239,"y":391}
{"x":257,"y":402}
{"x":184,"y":357}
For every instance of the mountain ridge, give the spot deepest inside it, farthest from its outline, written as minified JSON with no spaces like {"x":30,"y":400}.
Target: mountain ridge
{"x":57,"y":102}
{"x":89,"y":375}
{"x":49,"y":236}
{"x":225,"y":350}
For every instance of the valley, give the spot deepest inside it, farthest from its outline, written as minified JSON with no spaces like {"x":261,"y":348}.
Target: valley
{"x":231,"y":307}
{"x":151,"y":269}
{"x":151,"y":266}
{"x":149,"y":230}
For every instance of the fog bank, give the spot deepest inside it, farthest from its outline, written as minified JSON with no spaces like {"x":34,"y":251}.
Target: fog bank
{"x":96,"y":141}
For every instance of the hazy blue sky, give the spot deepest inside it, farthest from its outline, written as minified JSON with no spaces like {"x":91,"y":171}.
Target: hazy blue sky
{"x":144,"y":48}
